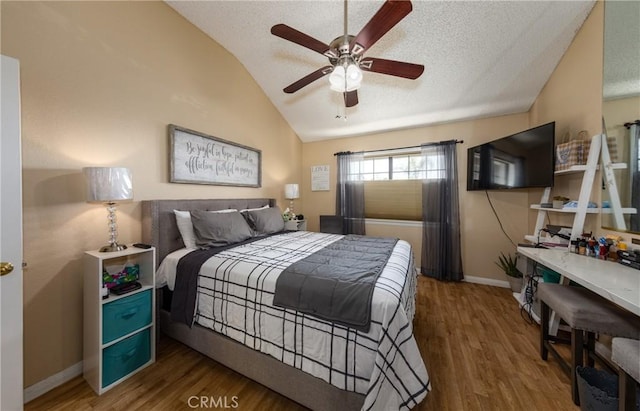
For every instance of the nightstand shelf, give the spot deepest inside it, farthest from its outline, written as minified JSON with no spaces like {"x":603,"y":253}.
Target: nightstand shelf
{"x":296,"y":225}
{"x":119,"y":331}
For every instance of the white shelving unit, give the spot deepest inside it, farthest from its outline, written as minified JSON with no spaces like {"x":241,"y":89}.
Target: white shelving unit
{"x":119,"y":331}
{"x":598,"y":151}
{"x":583,"y":168}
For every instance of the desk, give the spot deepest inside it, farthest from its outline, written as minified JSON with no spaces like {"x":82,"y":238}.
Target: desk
{"x":613,"y":281}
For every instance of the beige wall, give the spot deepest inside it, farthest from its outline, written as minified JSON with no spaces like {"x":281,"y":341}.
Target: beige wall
{"x":572,"y":98}
{"x":478,"y":224}
{"x":616,"y":113}
{"x":100,"y":83}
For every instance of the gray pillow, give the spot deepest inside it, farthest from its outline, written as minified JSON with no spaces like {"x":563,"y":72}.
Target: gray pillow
{"x":218,"y":229}
{"x":266,"y":221}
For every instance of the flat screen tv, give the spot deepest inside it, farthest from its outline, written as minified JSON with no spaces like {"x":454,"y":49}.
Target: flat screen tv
{"x":522,"y":160}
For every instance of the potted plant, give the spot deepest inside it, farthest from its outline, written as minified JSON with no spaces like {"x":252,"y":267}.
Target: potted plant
{"x":290,"y":222}
{"x":508,"y":265}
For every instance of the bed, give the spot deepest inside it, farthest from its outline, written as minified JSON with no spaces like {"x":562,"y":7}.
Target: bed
{"x":380,"y":368}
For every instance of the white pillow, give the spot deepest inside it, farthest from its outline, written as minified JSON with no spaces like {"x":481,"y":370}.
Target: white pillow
{"x":185,"y":226}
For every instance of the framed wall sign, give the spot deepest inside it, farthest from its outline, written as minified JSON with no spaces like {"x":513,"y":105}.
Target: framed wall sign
{"x":320,"y":178}
{"x":198,"y":158}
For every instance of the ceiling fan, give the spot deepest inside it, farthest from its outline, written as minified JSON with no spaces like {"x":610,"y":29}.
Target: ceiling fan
{"x":346,"y":53}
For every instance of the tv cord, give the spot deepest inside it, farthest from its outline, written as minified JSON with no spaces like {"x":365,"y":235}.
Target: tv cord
{"x":526,"y":311}
{"x":498,"y":218}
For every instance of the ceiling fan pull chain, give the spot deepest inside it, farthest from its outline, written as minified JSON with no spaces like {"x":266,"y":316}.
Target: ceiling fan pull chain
{"x":341,"y":112}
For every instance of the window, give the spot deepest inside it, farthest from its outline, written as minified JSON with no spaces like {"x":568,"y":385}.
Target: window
{"x":410,"y":166}
{"x":501,"y":172}
{"x":393,"y":183}
{"x":505,"y":168}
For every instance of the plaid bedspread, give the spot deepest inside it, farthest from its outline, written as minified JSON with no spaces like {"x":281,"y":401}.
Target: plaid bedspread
{"x":235,"y":295}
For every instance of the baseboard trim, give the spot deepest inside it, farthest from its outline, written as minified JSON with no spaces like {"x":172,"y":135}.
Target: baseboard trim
{"x":486,"y":281}
{"x":34,"y":391}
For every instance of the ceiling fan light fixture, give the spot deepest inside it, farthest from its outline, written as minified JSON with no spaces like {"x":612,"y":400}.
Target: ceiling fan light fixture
{"x":345,"y":53}
{"x":345,"y":79}
{"x":354,"y":74}
{"x":336,"y":79}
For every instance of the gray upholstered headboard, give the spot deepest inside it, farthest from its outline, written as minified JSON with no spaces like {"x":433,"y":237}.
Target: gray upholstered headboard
{"x":159,"y":224}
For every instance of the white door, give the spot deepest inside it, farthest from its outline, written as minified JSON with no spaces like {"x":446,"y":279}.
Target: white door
{"x":11,"y":379}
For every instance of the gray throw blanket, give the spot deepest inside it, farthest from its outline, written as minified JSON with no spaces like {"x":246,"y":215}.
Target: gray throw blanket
{"x":185,"y":292}
{"x":336,"y":283}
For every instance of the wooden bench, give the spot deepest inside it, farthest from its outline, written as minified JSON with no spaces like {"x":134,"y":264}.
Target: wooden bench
{"x":587,"y":314}
{"x":626,"y":355}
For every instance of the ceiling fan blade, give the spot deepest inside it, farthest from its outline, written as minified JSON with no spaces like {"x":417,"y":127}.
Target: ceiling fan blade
{"x":391,"y":12}
{"x":308,"y":79}
{"x":350,"y":98}
{"x":392,"y":67}
{"x":298,"y":37}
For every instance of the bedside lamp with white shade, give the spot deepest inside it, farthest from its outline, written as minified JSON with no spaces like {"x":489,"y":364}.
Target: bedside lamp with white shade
{"x":291,"y":192}
{"x":109,"y":185}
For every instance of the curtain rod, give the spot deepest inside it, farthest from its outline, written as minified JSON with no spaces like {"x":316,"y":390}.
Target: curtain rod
{"x":628,"y":125}
{"x":399,"y":148}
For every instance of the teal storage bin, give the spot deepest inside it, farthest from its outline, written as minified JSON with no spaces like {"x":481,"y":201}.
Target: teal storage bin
{"x":550,"y":276}
{"x":125,"y":315}
{"x":125,"y":357}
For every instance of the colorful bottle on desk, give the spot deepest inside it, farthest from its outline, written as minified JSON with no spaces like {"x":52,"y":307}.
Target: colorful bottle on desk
{"x":582,"y":247}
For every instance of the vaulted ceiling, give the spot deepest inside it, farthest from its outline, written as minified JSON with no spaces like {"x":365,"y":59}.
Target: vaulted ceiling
{"x":481,"y":58}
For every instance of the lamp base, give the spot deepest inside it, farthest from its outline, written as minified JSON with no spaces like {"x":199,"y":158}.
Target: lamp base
{"x":113,"y":247}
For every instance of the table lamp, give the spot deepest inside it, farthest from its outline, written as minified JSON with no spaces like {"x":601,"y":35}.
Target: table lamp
{"x":291,"y":192}
{"x":109,"y":185}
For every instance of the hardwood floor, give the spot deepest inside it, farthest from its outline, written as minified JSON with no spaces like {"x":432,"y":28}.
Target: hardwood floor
{"x":481,"y":354}
{"x":479,"y":351}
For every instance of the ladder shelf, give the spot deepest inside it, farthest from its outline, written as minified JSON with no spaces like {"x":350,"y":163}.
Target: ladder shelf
{"x":598,"y":151}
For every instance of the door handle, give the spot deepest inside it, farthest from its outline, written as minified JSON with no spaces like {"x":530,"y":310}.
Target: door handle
{"x":5,"y":268}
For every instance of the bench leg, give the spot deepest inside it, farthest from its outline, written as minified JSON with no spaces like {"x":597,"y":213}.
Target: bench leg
{"x":544,"y":330}
{"x":577,"y":357}
{"x":591,"y":349}
{"x":626,"y":392}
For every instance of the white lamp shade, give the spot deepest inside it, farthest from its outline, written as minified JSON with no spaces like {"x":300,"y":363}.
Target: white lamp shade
{"x":344,"y":79}
{"x":108,"y":184}
{"x":291,"y":191}
{"x":336,"y":79}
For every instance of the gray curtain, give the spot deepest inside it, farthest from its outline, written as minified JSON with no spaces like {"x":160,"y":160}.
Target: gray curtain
{"x":441,"y":253}
{"x":634,"y":137}
{"x":350,"y":193}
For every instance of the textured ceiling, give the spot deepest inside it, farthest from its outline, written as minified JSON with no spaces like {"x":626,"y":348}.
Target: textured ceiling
{"x":481,"y":58}
{"x":621,"y":49}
